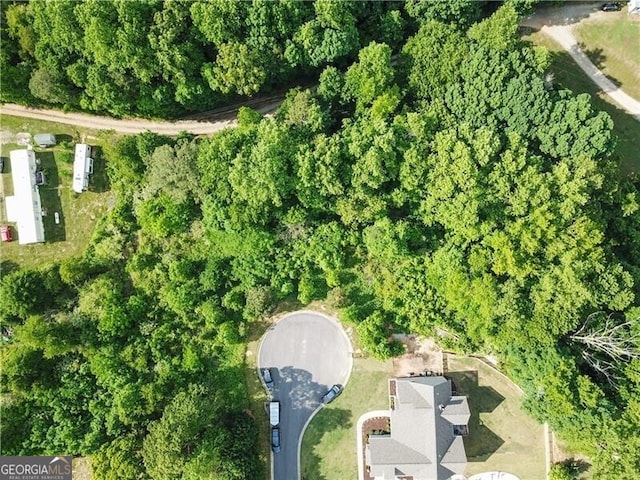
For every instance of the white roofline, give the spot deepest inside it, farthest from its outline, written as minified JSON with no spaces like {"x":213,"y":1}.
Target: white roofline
{"x":24,"y":207}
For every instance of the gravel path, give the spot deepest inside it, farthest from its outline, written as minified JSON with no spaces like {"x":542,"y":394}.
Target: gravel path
{"x":210,"y":122}
{"x":558,"y":23}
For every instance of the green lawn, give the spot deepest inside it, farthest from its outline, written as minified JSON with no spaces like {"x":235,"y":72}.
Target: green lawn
{"x":257,"y":394}
{"x":501,"y":436}
{"x":329,"y":444}
{"x":78,"y":212}
{"x":568,"y":75}
{"x":612,"y":42}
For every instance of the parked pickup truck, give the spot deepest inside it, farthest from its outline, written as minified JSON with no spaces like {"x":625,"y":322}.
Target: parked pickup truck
{"x":274,"y":413}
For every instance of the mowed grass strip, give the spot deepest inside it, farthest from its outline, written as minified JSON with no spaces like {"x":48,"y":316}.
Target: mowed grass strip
{"x":78,"y":213}
{"x":329,"y":444}
{"x":567,"y":74}
{"x":502,"y":437}
{"x":257,"y":394}
{"x":612,"y":42}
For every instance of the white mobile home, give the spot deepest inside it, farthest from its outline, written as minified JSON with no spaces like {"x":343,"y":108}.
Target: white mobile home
{"x":82,"y":167}
{"x":24,"y":207}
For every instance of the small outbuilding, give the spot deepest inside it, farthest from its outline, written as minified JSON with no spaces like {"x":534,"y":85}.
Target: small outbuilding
{"x":44,"y":139}
{"x":82,"y":167}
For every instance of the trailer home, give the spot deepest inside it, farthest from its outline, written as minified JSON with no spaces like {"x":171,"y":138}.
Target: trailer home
{"x":82,"y":167}
{"x":24,"y":207}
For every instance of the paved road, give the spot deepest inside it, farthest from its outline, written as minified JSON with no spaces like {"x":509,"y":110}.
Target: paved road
{"x":558,"y":23}
{"x":308,"y":353}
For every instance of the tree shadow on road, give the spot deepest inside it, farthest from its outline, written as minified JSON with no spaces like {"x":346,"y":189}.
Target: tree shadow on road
{"x":561,"y":14}
{"x":599,"y":59}
{"x":566,"y":74}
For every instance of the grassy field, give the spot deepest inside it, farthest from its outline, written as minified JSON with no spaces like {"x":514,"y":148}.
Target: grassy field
{"x":78,"y":212}
{"x":568,"y":75}
{"x":612,"y":42}
{"x":501,"y":436}
{"x":257,"y":393}
{"x":329,"y":444}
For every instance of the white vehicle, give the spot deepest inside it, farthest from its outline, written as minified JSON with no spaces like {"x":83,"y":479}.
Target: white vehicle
{"x":274,"y":413}
{"x":82,"y":167}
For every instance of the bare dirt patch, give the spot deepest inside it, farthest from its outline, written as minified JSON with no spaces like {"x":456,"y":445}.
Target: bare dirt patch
{"x":23,"y":138}
{"x":421,"y":355}
{"x":5,"y":137}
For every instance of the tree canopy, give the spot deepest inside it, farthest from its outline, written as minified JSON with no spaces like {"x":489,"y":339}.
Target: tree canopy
{"x":468,"y":202}
{"x":163,"y":58}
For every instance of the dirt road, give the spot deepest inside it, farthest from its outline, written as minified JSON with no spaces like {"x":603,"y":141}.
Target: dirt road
{"x":558,"y":23}
{"x":205,"y":124}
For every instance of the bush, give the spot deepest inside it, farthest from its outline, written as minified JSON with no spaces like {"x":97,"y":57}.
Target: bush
{"x":260,"y":302}
{"x":562,"y":471}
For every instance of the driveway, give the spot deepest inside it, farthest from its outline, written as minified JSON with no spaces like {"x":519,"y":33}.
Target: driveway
{"x":308,"y":353}
{"x":558,"y":23}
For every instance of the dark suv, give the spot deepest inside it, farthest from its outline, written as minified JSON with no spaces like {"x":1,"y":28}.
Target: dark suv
{"x":611,"y":7}
{"x":266,"y":376}
{"x":332,"y":394}
{"x":275,"y":439}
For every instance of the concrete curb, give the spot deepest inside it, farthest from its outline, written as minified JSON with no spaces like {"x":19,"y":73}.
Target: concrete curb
{"x":346,"y":380}
{"x":363,"y":418}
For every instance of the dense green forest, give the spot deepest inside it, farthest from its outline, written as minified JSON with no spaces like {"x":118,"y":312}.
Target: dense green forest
{"x":159,"y":58}
{"x":452,"y":193}
{"x":164,"y":58}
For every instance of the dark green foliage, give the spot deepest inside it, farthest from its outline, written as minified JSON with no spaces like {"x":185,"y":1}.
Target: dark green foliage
{"x":433,"y":58}
{"x":460,"y":12}
{"x":50,"y":87}
{"x":260,"y":302}
{"x":375,"y":336}
{"x":466,"y":201}
{"x":26,"y":292}
{"x":561,"y":471}
{"x":154,"y":58}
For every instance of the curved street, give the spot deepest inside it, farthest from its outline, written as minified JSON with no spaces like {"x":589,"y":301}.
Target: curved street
{"x":558,"y":23}
{"x":308,"y":353}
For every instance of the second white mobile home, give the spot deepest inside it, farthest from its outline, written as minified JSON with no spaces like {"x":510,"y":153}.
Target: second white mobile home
{"x":82,"y":167}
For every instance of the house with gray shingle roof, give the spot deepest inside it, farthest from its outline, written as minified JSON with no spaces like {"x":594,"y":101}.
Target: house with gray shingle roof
{"x":427,"y":424}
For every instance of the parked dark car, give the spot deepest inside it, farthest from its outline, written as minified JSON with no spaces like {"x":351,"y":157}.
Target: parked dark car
{"x":40,"y":178}
{"x":611,"y":7}
{"x":266,"y":376}
{"x":332,"y":394}
{"x":275,"y":439}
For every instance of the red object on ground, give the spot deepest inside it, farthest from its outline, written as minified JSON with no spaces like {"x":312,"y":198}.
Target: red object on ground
{"x":5,"y":233}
